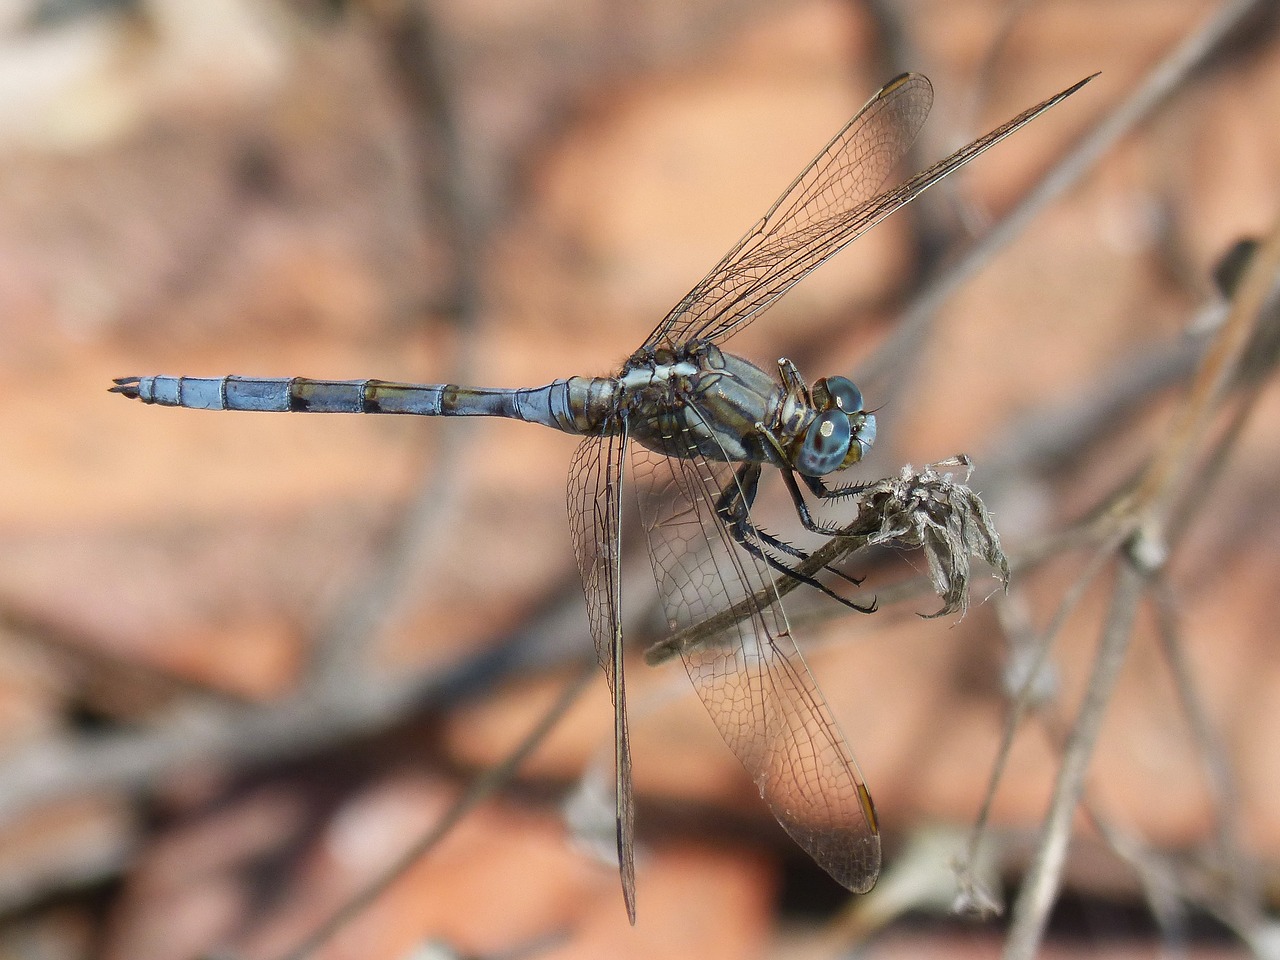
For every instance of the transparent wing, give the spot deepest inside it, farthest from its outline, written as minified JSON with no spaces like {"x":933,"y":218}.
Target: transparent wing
{"x":832,"y":203}
{"x":802,"y":228}
{"x":595,"y":508}
{"x":751,"y":677}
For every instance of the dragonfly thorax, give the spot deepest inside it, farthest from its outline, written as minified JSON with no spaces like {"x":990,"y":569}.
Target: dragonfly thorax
{"x":696,"y":400}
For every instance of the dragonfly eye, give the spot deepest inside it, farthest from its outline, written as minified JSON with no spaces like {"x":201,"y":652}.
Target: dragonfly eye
{"x":826,"y":444}
{"x":838,"y":392}
{"x":864,"y":435}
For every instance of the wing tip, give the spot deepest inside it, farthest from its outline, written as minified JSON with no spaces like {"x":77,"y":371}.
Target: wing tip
{"x":901,"y":80}
{"x":627,"y":871}
{"x":1077,"y":85}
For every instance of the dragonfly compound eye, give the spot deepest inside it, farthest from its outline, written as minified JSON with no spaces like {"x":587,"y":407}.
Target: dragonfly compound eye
{"x":838,"y":392}
{"x":826,"y":444}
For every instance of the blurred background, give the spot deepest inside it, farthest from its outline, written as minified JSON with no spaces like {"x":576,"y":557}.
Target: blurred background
{"x":247,"y":660}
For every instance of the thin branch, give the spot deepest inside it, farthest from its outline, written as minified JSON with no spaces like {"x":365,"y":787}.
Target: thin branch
{"x":1221,"y":365}
{"x":376,"y":596}
{"x":1143,"y":512}
{"x":481,"y":789}
{"x":928,"y":510}
{"x":1024,"y":699}
{"x":1217,"y":768}
{"x":201,"y":731}
{"x":1040,"y":888}
{"x":1062,"y":434}
{"x":891,"y":363}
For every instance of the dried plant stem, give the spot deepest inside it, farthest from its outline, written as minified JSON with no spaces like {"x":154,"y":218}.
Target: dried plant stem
{"x":374,"y":599}
{"x":927,"y":510}
{"x":483,"y":787}
{"x":902,"y":349}
{"x":1241,"y":900}
{"x":1040,"y":889}
{"x":1142,"y":513}
{"x":1178,"y":454}
{"x":1023,"y":699}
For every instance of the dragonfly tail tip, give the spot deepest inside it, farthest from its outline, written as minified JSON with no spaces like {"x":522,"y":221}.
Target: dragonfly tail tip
{"x":127,"y":386}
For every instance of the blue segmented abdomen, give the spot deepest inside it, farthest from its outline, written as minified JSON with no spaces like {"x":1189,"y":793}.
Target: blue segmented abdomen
{"x":573,"y":405}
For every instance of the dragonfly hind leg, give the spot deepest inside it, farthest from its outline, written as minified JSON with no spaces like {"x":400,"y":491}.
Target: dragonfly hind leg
{"x":734,"y":509}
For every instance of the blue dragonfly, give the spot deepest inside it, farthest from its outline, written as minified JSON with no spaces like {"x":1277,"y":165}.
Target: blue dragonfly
{"x":701,"y":424}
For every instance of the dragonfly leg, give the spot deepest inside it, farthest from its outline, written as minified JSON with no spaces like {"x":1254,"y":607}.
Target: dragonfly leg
{"x":802,"y":510}
{"x":824,"y":492}
{"x":734,"y":509}
{"x":802,"y":507}
{"x":814,"y":484}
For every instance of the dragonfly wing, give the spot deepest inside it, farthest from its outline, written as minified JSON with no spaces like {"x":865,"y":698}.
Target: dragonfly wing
{"x":831,"y":204}
{"x":595,"y":508}
{"x":788,"y":241}
{"x":751,"y":677}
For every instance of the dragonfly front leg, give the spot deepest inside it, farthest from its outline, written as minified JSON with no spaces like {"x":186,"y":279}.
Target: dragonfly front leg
{"x":733,"y":507}
{"x":822,"y":491}
{"x":797,"y":497}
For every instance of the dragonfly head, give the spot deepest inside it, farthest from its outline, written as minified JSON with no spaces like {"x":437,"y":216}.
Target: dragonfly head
{"x":841,"y":433}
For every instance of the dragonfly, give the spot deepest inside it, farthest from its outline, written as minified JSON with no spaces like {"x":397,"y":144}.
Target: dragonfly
{"x":701,"y":425}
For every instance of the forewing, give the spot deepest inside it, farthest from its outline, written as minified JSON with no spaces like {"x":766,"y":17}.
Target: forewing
{"x":751,"y":677}
{"x":806,"y":224}
{"x":829,"y":206}
{"x":595,"y":501}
